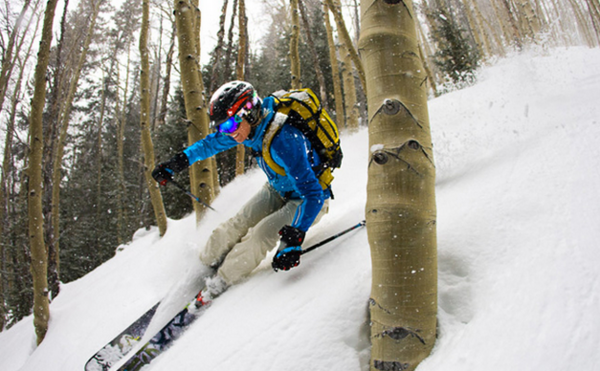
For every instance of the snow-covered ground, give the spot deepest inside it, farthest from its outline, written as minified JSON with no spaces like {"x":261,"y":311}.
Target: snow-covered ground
{"x":518,"y":229}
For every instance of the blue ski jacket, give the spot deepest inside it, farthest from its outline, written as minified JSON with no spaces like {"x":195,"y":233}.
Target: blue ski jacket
{"x":290,"y":149}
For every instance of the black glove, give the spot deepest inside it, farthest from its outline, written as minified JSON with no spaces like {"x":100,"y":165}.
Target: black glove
{"x":288,"y":255}
{"x":164,"y":171}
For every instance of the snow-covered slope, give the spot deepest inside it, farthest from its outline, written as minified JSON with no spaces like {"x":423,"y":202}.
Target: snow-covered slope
{"x":518,"y":215}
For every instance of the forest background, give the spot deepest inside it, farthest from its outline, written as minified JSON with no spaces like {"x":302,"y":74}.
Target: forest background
{"x":92,"y":108}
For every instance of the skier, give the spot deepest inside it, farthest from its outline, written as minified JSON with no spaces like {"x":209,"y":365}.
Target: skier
{"x":283,"y":209}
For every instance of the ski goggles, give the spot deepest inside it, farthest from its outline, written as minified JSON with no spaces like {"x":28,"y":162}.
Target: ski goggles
{"x":233,"y":123}
{"x":230,"y":125}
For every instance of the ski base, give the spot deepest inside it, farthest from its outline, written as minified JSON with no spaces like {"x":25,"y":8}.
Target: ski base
{"x":122,"y":344}
{"x":163,"y":339}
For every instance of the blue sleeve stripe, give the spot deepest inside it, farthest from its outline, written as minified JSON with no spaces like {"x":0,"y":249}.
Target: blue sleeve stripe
{"x":299,"y":214}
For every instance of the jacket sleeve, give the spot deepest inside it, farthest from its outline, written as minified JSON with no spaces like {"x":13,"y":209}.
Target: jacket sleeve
{"x":291,"y":150}
{"x":208,"y":147}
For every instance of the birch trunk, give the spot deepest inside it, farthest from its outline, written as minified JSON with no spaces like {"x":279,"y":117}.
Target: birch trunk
{"x":345,"y":37}
{"x":294,"y":40}
{"x":5,"y":257}
{"x":400,"y":209}
{"x":218,"y":48}
{"x":64,"y":126}
{"x":8,"y":60}
{"x":162,"y":112}
{"x":146,"y":122}
{"x":240,"y":151}
{"x":512,"y":20}
{"x":313,"y":53}
{"x":120,"y":120}
{"x":349,"y":90}
{"x":39,"y":257}
{"x":201,"y":173}
{"x":594,"y":12}
{"x":335,"y":72}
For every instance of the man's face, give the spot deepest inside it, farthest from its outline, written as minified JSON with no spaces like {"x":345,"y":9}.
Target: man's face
{"x":242,"y":131}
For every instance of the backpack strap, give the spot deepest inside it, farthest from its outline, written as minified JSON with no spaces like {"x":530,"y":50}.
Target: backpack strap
{"x":272,"y":130}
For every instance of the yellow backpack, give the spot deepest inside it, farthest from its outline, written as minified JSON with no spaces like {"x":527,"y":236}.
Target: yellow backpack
{"x":317,"y":127}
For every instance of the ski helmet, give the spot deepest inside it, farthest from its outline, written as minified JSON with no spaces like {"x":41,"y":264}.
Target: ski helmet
{"x":230,"y":99}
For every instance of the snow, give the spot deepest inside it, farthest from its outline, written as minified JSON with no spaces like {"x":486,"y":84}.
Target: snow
{"x":518,"y":211}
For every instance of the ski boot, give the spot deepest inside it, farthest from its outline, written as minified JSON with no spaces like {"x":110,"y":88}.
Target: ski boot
{"x":215,"y":286}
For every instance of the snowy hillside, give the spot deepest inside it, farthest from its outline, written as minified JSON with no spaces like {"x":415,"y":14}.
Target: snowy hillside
{"x":518,"y":215}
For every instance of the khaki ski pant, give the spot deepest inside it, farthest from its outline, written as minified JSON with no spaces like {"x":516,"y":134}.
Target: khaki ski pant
{"x":238,"y":245}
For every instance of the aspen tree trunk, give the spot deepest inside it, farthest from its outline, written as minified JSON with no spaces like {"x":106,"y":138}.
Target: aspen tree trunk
{"x":6,"y":163}
{"x":582,"y":24}
{"x":99,"y":160}
{"x":512,"y":20}
{"x":4,"y":171}
{"x":207,"y":177}
{"x":313,"y":53}
{"x":63,"y":122}
{"x":242,"y":42}
{"x":121,"y":121}
{"x":294,"y":40}
{"x":477,"y":31}
{"x":349,"y":91}
{"x":430,"y":78}
{"x":8,"y":64}
{"x":201,"y":173}
{"x":229,"y":48}
{"x":505,"y":32}
{"x":39,"y":258}
{"x":156,"y":77}
{"x":61,"y":73}
{"x":400,"y":209}
{"x":529,"y":19}
{"x":481,"y":21}
{"x":218,"y":48}
{"x":335,"y":72}
{"x":561,"y":24}
{"x":240,"y":151}
{"x":120,"y":161}
{"x":594,"y":12}
{"x":8,"y":61}
{"x":145,"y":122}
{"x":345,"y":37}
{"x":424,"y":54}
{"x":162,"y":113}
{"x":197,"y":22}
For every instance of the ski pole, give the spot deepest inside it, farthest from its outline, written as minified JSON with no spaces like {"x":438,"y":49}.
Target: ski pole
{"x":197,"y":199}
{"x":327,"y":240}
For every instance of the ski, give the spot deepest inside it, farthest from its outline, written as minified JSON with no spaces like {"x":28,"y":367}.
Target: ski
{"x":122,"y":344}
{"x":163,"y":339}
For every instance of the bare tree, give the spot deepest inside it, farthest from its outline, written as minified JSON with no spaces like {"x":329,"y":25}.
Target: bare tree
{"x":201,"y":176}
{"x":400,"y":209}
{"x":294,"y":40}
{"x":11,"y":50}
{"x":313,"y":54}
{"x":334,"y":7}
{"x":335,"y":72}
{"x":240,"y":151}
{"x":39,"y":258}
{"x":145,"y":122}
{"x":59,"y":149}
